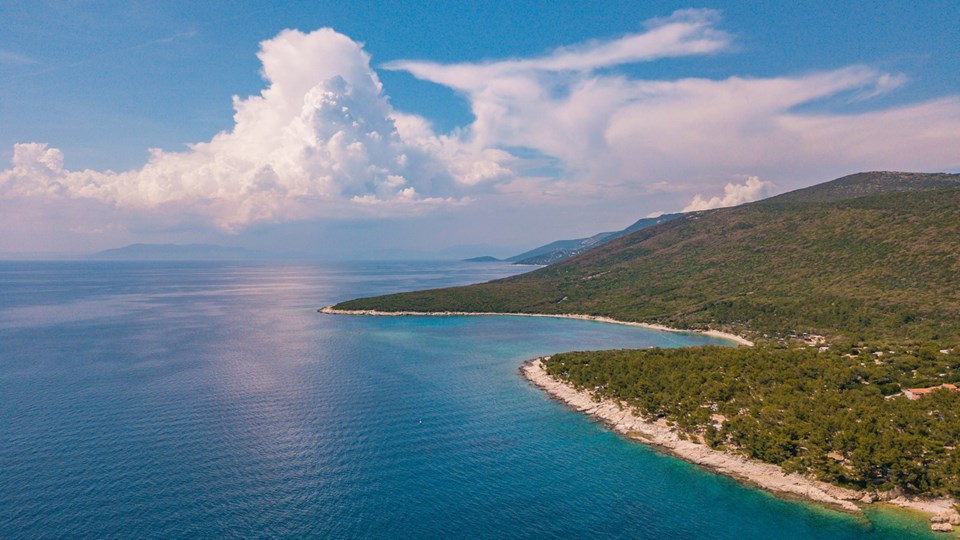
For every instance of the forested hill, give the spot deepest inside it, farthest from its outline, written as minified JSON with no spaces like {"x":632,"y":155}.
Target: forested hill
{"x":869,"y":183}
{"x":865,"y":257}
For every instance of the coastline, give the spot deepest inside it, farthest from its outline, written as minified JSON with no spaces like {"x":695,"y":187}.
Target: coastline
{"x":943,"y":512}
{"x":740,"y":340}
{"x":658,"y":434}
{"x":752,"y":472}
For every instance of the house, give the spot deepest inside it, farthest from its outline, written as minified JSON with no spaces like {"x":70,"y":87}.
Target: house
{"x":917,"y":393}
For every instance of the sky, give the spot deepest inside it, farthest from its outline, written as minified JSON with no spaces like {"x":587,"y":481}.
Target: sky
{"x":362,"y":130}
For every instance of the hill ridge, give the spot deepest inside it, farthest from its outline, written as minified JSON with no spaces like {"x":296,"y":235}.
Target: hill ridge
{"x":794,"y":263}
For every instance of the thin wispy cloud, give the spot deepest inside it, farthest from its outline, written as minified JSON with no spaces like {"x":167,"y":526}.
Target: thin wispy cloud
{"x":685,"y":33}
{"x":12,"y":58}
{"x":168,"y":39}
{"x":608,"y":127}
{"x":93,"y":59}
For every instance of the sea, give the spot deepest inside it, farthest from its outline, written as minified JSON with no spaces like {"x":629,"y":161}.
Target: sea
{"x":212,"y":400}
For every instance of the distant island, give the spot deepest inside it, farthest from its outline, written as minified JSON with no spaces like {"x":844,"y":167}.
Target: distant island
{"x":850,"y":291}
{"x":485,"y":258}
{"x":176,"y":252}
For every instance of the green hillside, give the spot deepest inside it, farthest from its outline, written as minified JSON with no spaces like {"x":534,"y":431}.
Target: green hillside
{"x":834,"y":414}
{"x":870,"y":261}
{"x":866,"y":257}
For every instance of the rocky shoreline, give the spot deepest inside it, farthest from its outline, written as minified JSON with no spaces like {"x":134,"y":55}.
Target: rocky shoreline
{"x":763,"y":475}
{"x":942,"y":511}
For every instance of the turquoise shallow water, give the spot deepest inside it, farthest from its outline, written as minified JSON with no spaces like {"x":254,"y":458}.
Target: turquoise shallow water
{"x":211,"y":400}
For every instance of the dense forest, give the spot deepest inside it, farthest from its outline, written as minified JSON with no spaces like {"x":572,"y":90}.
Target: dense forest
{"x":837,"y":414}
{"x":868,"y":264}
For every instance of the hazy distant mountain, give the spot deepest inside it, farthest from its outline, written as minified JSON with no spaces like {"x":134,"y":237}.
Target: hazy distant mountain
{"x":564,"y":249}
{"x":176,"y":252}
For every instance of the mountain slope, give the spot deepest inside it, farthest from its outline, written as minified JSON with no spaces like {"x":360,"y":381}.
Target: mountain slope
{"x":564,"y":249}
{"x":869,"y":183}
{"x":874,"y":255}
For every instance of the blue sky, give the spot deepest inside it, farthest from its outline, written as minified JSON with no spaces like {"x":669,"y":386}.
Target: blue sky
{"x":501,"y":125}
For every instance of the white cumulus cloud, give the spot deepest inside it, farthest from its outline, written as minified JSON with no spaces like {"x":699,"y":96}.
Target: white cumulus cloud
{"x":320,"y":140}
{"x":733,"y":194}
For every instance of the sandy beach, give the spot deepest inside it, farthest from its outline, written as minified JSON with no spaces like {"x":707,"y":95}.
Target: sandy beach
{"x":714,"y":333}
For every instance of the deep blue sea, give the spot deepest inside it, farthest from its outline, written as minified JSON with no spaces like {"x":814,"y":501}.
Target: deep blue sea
{"x":211,"y":400}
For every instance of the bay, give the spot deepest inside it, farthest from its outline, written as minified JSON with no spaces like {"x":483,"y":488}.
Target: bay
{"x":202,"y":400}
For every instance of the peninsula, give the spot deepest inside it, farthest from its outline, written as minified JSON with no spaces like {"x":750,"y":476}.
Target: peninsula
{"x":849,"y":290}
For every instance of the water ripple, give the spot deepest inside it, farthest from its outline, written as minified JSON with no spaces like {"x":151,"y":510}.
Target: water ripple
{"x":211,"y":400}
